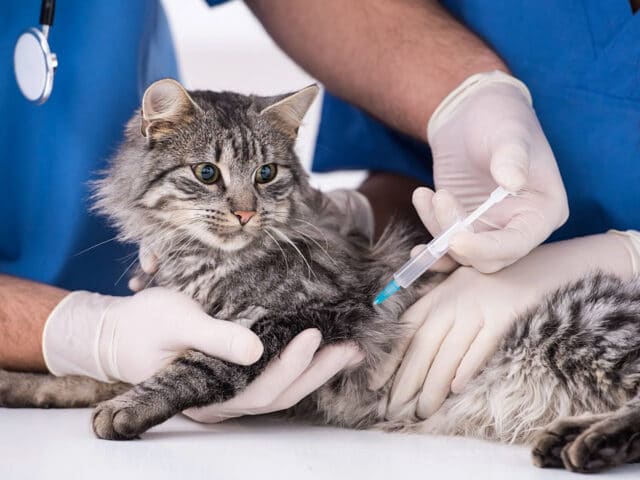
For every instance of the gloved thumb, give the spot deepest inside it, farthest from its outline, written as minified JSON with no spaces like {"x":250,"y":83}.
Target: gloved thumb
{"x":510,"y":164}
{"x":220,"y":338}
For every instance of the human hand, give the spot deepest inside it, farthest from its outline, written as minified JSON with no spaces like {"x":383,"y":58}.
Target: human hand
{"x":298,"y":371}
{"x":461,"y":322}
{"x":128,"y":339}
{"x":484,"y":134}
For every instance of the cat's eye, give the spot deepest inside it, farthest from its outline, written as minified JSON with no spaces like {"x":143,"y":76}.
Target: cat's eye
{"x":206,"y":172}
{"x":266,"y":173}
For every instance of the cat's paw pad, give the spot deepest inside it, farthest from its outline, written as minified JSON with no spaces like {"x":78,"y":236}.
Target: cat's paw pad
{"x":548,"y":445}
{"x":595,"y":450}
{"x":547,"y":450}
{"x":116,"y":420}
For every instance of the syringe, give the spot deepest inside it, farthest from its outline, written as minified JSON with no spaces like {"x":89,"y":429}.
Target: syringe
{"x":435,"y":249}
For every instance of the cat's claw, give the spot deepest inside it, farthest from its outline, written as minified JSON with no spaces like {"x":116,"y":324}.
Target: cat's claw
{"x":115,"y":420}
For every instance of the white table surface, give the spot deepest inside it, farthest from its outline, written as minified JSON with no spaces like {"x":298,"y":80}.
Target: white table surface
{"x":58,"y":444}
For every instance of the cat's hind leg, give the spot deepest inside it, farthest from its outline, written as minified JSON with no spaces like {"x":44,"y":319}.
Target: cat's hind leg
{"x":40,"y":390}
{"x":592,"y":443}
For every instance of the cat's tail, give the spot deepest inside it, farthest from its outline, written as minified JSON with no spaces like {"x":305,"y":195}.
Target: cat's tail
{"x":41,"y":390}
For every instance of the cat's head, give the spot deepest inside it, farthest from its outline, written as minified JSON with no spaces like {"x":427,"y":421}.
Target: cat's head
{"x":217,"y":167}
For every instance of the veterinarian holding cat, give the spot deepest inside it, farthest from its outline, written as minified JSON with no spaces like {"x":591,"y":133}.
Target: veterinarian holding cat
{"x":417,"y":66}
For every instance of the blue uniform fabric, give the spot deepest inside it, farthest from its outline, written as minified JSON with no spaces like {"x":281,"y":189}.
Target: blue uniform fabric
{"x":108,"y":52}
{"x":581,"y":60}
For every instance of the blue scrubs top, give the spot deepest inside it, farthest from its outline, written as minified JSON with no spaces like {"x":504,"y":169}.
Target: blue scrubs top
{"x":581,"y":61}
{"x":108,"y":52}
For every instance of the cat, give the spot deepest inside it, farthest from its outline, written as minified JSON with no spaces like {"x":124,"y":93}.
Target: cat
{"x":211,"y":181}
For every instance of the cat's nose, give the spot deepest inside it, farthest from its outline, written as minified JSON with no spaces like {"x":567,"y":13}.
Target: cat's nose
{"x":244,"y":216}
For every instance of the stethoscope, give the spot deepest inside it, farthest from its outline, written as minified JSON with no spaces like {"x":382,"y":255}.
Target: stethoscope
{"x":33,"y":61}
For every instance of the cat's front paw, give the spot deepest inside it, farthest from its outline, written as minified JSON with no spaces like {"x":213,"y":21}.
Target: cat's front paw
{"x":602,"y":446}
{"x":117,"y":419}
{"x":550,"y":443}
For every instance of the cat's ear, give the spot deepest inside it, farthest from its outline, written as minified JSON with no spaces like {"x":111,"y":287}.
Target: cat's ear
{"x":165,"y":105}
{"x":287,"y":111}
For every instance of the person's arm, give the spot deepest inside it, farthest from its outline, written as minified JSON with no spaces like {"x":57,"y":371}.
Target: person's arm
{"x":409,"y":63}
{"x":24,"y":308}
{"x":395,"y":59}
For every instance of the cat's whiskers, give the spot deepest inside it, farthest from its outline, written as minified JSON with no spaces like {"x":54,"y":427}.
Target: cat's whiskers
{"x":324,"y":236}
{"x":307,"y":236}
{"x":290,"y":242}
{"x":284,"y":256}
{"x":149,"y":247}
{"x":287,"y":221}
{"x":133,"y":262}
{"x":96,"y":245}
{"x":184,"y":247}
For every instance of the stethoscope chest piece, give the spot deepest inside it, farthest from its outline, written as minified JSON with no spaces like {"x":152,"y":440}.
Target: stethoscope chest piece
{"x":34,"y":65}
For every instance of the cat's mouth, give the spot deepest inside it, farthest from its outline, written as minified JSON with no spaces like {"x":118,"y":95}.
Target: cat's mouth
{"x":234,"y":237}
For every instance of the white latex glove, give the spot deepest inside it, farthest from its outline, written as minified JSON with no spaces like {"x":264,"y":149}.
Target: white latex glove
{"x":485,"y":133}
{"x":128,"y":339}
{"x":290,"y":377}
{"x":461,"y":322}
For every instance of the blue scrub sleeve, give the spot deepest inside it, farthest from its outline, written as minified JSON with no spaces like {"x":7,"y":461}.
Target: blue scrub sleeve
{"x":349,"y":138}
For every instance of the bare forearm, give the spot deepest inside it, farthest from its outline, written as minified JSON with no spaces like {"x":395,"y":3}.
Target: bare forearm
{"x":396,"y":59}
{"x":24,"y":308}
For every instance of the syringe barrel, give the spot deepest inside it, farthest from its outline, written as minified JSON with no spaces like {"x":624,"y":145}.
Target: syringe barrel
{"x":416,"y":266}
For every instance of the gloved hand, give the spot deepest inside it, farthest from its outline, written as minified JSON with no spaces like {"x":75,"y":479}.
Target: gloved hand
{"x":294,"y":374}
{"x":461,"y":322}
{"x":485,"y":133}
{"x":129,"y":338}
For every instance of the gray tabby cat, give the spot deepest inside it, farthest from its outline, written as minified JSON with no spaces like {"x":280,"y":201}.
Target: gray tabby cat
{"x":212,"y":183}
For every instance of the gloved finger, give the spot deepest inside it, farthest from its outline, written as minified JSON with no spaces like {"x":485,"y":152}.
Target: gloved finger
{"x":281,"y":372}
{"x":148,"y":259}
{"x":437,"y":384}
{"x":422,"y":199}
{"x":510,"y":163}
{"x":493,"y":250}
{"x":411,"y":320}
{"x":483,"y":347}
{"x":218,"y":338}
{"x":136,"y":284}
{"x":446,"y":264}
{"x":447,"y":209}
{"x":417,"y":361}
{"x":325,"y":365}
